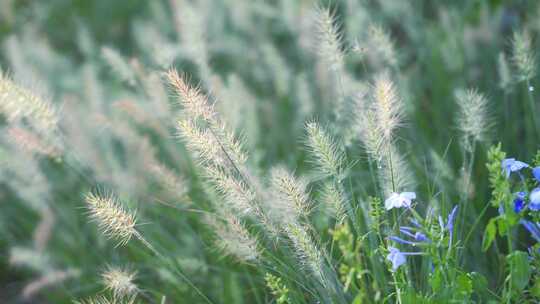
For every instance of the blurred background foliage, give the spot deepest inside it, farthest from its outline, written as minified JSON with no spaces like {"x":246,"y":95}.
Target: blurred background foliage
{"x":57,"y":46}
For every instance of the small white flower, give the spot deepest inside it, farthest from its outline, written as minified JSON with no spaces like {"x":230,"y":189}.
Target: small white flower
{"x":398,"y":200}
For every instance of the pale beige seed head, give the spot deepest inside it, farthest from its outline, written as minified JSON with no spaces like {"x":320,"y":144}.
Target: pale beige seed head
{"x":329,"y":40}
{"x":387,"y":106}
{"x":371,"y":134}
{"x":326,"y":153}
{"x":17,"y":103}
{"x":523,"y":56}
{"x":380,"y":47}
{"x":113,"y":220}
{"x":333,"y":200}
{"x":236,"y":193}
{"x":234,"y":239}
{"x":292,"y":201}
{"x":194,"y":102}
{"x":201,"y":143}
{"x":118,"y":64}
{"x":31,"y":143}
{"x":306,"y":250}
{"x":472,"y":116}
{"x":505,"y":76}
{"x":105,"y":300}
{"x":120,"y":282}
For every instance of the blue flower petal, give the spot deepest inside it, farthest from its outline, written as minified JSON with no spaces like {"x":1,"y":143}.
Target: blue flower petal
{"x":536,"y":173}
{"x":519,"y":204}
{"x":450,"y":220}
{"x":534,"y":199}
{"x":533,"y":229}
{"x":420,"y":237}
{"x":519,"y":201}
{"x":400,"y":240}
{"x":510,"y":165}
{"x":396,"y":257}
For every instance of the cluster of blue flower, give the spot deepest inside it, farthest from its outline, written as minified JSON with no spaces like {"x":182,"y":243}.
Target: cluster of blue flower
{"x":511,"y":165}
{"x":414,"y":233}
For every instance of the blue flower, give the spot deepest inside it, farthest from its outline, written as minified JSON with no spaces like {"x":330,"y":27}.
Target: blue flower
{"x":534,"y":199}
{"x":533,"y":228}
{"x":510,"y":165}
{"x":451,"y":218}
{"x":410,"y":232}
{"x":398,"y":200}
{"x":450,"y":224}
{"x":407,"y":231}
{"x":402,"y":241}
{"x":398,"y":258}
{"x":536,"y":173}
{"x":519,"y":201}
{"x":420,"y":237}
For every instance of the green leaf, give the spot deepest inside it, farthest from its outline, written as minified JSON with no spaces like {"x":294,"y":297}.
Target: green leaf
{"x":358,"y":299}
{"x":436,"y":280}
{"x":489,"y":234}
{"x":502,"y":226}
{"x":480,"y":284}
{"x":464,"y":285}
{"x":520,"y":270}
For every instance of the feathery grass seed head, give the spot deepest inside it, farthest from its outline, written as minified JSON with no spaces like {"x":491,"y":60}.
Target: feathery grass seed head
{"x":326,"y":153}
{"x":473,"y":116}
{"x":333,"y":200}
{"x":201,"y":143}
{"x":120,"y":282}
{"x":235,"y":192}
{"x":114,"y":221}
{"x":380,"y":47}
{"x":234,"y":239}
{"x":523,"y":56}
{"x":291,"y":195}
{"x":329,"y":39}
{"x":306,"y":250}
{"x":194,"y":101}
{"x":387,"y":106}
{"x":18,"y":103}
{"x":505,"y":76}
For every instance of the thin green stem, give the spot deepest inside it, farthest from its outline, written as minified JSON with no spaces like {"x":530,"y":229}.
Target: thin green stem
{"x":532,"y":107}
{"x":176,"y":269}
{"x":398,"y":291}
